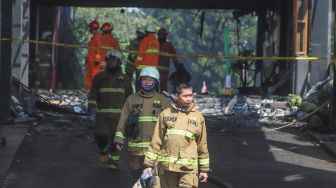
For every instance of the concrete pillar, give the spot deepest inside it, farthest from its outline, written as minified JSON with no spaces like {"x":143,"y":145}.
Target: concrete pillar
{"x":20,"y":54}
{"x":5,"y":58}
{"x":320,"y":39}
{"x":300,"y":77}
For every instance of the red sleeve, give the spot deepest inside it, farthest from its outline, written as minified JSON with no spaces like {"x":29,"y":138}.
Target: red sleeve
{"x":142,"y":49}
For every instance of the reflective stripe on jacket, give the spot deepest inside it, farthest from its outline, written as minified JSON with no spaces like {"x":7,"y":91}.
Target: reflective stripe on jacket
{"x":108,"y":93}
{"x":179,"y":142}
{"x":149,"y":106}
{"x":148,"y":52}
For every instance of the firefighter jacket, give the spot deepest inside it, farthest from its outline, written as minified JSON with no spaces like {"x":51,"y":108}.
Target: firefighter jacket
{"x":148,"y":52}
{"x":149,"y":106}
{"x":43,"y":58}
{"x":164,"y":61}
{"x":108,"y":93}
{"x":94,"y":52}
{"x":108,"y":41}
{"x":179,"y":142}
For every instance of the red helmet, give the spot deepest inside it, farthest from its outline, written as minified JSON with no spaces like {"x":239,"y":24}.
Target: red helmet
{"x":94,"y":25}
{"x":107,"y":27}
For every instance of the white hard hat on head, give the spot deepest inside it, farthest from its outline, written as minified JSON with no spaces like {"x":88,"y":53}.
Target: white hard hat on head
{"x":150,"y":72}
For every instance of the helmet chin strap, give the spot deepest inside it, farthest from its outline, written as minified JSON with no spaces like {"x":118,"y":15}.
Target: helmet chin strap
{"x":149,"y":88}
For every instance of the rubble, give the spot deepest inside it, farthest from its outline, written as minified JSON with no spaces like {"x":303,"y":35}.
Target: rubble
{"x":73,"y":104}
{"x":259,"y":107}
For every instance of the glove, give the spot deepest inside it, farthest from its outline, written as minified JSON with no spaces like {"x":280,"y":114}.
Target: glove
{"x":118,"y":146}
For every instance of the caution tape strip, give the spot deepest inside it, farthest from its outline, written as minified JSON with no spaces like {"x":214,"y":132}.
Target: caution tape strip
{"x":215,"y":57}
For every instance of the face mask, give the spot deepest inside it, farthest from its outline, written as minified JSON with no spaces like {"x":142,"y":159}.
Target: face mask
{"x":148,"y":88}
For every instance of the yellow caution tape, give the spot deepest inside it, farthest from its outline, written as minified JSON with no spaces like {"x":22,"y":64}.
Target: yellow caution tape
{"x":214,"y":57}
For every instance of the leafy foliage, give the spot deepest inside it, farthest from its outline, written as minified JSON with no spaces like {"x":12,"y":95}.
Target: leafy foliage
{"x":294,"y":100}
{"x":191,"y":32}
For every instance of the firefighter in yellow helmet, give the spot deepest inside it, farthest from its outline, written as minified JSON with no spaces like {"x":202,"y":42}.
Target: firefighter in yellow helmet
{"x":109,"y":90}
{"x":179,"y":144}
{"x":138,"y":118}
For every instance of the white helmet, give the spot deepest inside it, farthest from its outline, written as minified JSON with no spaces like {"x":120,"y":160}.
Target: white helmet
{"x":150,"y":72}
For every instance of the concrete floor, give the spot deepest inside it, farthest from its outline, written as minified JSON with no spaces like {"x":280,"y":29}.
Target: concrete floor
{"x":63,"y":154}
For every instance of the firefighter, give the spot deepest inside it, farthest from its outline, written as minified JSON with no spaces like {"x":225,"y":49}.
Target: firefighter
{"x":179,"y":143}
{"x":148,"y":51}
{"x":43,"y":62}
{"x":134,"y":46}
{"x":108,"y":40}
{"x":94,"y":58}
{"x":138,"y":118}
{"x":110,"y":88}
{"x":164,"y":61}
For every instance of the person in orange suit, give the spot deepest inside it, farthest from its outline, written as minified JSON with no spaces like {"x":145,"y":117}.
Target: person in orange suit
{"x":94,"y":58}
{"x":148,"y":51}
{"x":108,"y":41}
{"x":164,"y":61}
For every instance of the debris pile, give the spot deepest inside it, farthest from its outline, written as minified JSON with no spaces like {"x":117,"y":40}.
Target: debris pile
{"x":263,"y":109}
{"x":64,"y":101}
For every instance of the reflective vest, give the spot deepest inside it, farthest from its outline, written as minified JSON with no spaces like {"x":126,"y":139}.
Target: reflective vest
{"x":148,"y":52}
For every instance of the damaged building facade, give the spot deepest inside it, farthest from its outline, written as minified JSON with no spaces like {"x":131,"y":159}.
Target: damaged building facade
{"x":297,"y":29}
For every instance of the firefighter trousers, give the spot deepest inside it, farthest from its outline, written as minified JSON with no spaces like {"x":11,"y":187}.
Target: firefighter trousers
{"x":170,"y":179}
{"x":104,"y":132}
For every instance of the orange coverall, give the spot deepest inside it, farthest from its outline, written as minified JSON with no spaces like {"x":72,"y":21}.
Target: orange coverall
{"x":164,"y":62}
{"x":93,"y":60}
{"x":108,"y":40}
{"x":149,"y":53}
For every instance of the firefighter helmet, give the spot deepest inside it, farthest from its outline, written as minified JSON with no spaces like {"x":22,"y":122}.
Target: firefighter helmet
{"x":150,"y":28}
{"x":94,"y":25}
{"x":114,"y":53}
{"x":107,"y":26}
{"x":150,"y":72}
